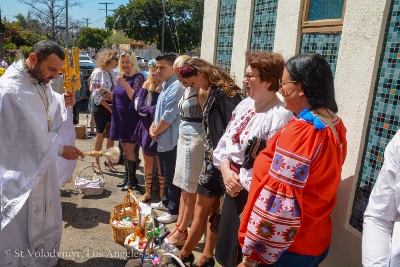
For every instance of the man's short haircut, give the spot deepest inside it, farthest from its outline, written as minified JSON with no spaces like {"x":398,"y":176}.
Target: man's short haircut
{"x":167,"y":56}
{"x":143,"y":65}
{"x":45,"y":48}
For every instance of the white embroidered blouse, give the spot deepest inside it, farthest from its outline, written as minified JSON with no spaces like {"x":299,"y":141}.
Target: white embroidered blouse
{"x":244,"y":125}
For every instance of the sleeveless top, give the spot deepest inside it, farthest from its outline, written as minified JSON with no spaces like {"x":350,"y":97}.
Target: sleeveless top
{"x":191,"y":112}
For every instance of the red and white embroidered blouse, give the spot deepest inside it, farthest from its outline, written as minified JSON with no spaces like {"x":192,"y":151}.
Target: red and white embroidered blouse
{"x":293,"y":192}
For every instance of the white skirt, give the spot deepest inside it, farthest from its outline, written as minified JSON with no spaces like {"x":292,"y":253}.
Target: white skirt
{"x":189,"y":161}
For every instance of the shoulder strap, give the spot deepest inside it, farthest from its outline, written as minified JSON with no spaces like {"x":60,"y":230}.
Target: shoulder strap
{"x":329,"y":123}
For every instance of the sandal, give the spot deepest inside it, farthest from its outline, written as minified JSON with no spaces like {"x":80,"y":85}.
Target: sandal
{"x":182,"y":242}
{"x":174,"y":230}
{"x":147,"y":195}
{"x":111,"y":168}
{"x":97,"y":170}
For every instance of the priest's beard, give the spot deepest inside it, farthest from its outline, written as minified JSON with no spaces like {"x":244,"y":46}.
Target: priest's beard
{"x":39,"y":76}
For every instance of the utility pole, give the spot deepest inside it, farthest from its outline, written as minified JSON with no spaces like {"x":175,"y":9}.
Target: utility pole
{"x":66,"y":25}
{"x":1,"y":38}
{"x":106,"y":3}
{"x":87,"y":21}
{"x":163,"y":28}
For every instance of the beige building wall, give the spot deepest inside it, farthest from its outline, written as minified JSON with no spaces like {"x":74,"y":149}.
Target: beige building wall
{"x":241,"y":38}
{"x":356,"y":71}
{"x":210,"y":30}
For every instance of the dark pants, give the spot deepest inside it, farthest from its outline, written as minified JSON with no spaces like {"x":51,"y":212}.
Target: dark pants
{"x":227,"y":248}
{"x":290,"y":259}
{"x":75,"y":112}
{"x":172,"y":192}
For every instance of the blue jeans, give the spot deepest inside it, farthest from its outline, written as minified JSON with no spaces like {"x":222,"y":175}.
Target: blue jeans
{"x":290,"y":259}
{"x":172,"y":195}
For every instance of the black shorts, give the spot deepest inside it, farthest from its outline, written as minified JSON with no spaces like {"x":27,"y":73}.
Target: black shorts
{"x":100,"y":118}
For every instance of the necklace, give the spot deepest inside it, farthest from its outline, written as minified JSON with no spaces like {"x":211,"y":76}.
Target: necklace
{"x":43,"y":96}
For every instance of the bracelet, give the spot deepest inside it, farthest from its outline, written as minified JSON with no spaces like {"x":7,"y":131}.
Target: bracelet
{"x":248,"y":263}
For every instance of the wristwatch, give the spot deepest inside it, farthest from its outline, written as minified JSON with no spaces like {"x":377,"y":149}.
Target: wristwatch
{"x":249,"y":263}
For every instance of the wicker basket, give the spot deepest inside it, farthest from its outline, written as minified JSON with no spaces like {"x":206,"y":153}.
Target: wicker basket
{"x":134,"y":253}
{"x":92,"y":181}
{"x":129,"y":208}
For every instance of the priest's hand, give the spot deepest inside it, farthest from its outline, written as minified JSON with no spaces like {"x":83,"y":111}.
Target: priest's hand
{"x":71,"y":153}
{"x":69,"y":100}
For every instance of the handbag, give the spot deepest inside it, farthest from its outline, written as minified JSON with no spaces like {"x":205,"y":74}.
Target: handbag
{"x":254,"y":147}
{"x":147,"y":102}
{"x":106,"y":132}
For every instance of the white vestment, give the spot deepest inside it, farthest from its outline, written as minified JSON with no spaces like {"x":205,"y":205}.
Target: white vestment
{"x":30,"y":230}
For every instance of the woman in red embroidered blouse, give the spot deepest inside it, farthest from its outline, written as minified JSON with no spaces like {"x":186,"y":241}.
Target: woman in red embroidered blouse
{"x":286,"y":220}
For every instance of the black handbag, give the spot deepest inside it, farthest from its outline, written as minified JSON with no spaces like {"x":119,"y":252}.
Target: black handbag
{"x":254,"y":147}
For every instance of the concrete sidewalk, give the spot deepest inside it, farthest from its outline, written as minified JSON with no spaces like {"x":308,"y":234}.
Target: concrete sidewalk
{"x":86,"y":238}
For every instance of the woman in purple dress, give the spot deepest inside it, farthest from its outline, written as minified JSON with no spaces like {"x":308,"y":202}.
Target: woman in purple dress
{"x":125,"y":118}
{"x":146,"y":106}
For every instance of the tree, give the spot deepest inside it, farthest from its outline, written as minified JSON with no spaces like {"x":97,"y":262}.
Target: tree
{"x":92,"y":37}
{"x":12,"y":33}
{"x":49,"y":13}
{"x":119,"y":38}
{"x":142,"y":20}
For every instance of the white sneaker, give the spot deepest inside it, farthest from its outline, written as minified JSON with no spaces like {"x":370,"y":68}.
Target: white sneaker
{"x":158,"y":206}
{"x":167,"y":218}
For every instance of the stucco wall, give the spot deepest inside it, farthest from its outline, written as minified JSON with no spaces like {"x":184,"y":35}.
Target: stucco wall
{"x":241,"y":39}
{"x":360,"y":47}
{"x":210,"y":28}
{"x":356,"y":71}
{"x":288,"y":31}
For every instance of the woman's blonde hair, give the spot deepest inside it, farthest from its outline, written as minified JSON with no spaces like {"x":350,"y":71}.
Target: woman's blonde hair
{"x":104,"y":57}
{"x":152,"y":68}
{"x":132,"y":58}
{"x":180,"y":61}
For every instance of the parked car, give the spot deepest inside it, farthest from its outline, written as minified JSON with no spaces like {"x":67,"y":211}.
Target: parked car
{"x":87,"y":69}
{"x":85,"y":58}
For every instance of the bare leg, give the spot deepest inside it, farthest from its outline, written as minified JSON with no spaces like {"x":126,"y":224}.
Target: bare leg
{"x":92,"y":123}
{"x":188,"y":207}
{"x":202,"y":211}
{"x":129,"y":150}
{"x":110,"y":143}
{"x":180,"y":217}
{"x":211,"y":239}
{"x":98,"y":144}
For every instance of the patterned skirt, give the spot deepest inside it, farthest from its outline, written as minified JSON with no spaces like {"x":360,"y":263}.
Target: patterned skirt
{"x":189,"y":161}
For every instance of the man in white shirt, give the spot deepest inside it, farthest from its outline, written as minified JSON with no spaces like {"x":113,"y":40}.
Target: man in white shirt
{"x":381,"y":233}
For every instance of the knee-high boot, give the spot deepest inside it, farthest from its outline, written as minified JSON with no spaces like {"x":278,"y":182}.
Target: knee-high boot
{"x":132,"y":180}
{"x":123,"y":183}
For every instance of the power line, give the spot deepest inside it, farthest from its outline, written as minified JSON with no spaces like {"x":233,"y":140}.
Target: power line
{"x":106,"y":3}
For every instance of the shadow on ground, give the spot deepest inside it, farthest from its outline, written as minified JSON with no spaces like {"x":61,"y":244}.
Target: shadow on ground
{"x":83,"y":218}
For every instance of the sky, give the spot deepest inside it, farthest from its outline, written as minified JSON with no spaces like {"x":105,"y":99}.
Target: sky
{"x":88,"y":9}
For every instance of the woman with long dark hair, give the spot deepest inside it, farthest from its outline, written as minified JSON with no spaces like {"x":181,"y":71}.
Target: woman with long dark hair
{"x":286,"y":220}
